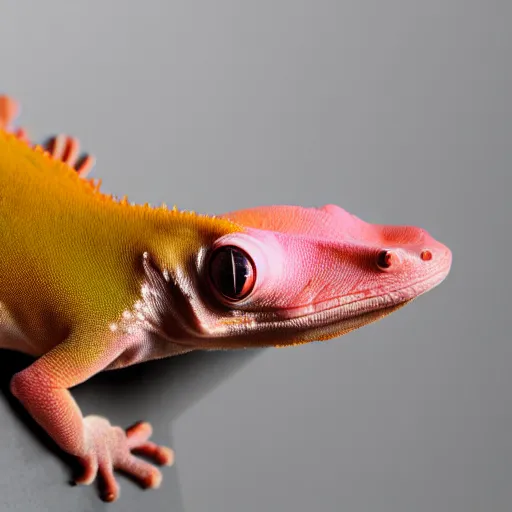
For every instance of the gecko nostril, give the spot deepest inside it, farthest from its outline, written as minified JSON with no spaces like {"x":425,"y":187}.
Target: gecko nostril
{"x":426,"y":255}
{"x":385,"y":259}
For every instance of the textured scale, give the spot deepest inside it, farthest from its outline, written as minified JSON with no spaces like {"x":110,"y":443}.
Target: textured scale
{"x":89,"y":282}
{"x":83,"y":239}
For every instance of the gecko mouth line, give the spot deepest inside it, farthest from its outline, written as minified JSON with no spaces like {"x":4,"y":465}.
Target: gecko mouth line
{"x":353,"y":305}
{"x":333,"y":316}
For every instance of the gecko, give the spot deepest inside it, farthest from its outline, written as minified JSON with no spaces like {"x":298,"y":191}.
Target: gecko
{"x":91,"y":282}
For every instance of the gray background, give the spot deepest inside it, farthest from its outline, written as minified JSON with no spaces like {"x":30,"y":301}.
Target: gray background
{"x":400,"y":112}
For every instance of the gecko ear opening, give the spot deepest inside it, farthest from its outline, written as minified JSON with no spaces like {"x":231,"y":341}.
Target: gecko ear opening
{"x":231,"y":272}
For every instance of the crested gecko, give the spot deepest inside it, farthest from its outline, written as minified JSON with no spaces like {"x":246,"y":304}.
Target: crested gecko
{"x":90,"y":282}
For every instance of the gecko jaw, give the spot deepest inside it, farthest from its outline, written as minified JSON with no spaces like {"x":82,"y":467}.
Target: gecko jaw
{"x":178,"y":307}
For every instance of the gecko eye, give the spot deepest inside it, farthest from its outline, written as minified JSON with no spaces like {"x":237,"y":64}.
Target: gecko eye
{"x":232,"y":272}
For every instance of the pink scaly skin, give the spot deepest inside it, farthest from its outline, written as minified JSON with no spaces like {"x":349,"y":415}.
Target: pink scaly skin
{"x":344,"y":270}
{"x":106,"y":284}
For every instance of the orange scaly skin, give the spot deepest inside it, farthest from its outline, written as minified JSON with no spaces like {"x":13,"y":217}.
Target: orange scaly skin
{"x":89,"y":282}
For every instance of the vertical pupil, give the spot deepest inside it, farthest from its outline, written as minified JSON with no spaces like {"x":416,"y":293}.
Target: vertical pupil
{"x":239,"y":265}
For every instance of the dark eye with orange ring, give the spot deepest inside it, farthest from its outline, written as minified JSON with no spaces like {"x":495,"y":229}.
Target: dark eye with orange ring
{"x":232,"y":272}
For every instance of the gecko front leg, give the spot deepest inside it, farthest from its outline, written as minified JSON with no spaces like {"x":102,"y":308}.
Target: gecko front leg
{"x":100,"y":447}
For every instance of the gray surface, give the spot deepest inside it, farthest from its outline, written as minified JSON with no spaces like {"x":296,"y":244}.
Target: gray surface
{"x":399,"y":111}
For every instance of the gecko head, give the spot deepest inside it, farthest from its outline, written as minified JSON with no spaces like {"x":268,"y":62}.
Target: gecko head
{"x":292,"y":275}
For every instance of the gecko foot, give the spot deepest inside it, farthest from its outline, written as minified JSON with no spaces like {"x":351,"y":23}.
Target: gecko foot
{"x":62,"y":147}
{"x":111,"y":448}
{"x":67,"y":149}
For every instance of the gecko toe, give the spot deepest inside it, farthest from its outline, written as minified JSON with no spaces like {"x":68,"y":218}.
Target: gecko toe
{"x":109,"y":488}
{"x":138,"y":433}
{"x":89,"y":471}
{"x":147,"y":475}
{"x":161,"y":455}
{"x":9,"y":110}
{"x":138,"y":440}
{"x":67,"y":149}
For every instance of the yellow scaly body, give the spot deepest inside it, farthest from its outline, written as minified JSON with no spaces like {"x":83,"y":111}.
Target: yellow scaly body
{"x":89,"y":283}
{"x":68,"y":249}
